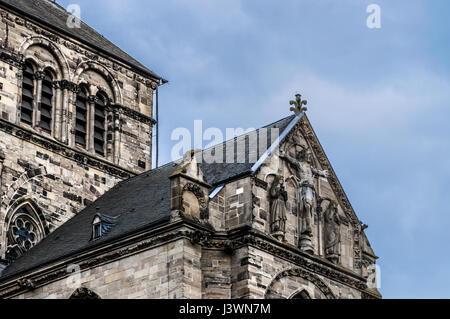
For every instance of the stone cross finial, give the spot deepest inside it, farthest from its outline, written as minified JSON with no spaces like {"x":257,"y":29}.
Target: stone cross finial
{"x":298,"y":104}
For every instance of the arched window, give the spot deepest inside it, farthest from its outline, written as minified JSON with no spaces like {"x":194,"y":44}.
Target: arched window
{"x":81,"y":118}
{"x":301,"y":295}
{"x":46,"y":102}
{"x":27,"y":108}
{"x":25,"y":230}
{"x":100,"y":123}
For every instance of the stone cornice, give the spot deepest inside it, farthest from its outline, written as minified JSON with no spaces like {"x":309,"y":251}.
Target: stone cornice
{"x":135,"y":115}
{"x":64,"y":150}
{"x":197,"y":234}
{"x":11,"y":58}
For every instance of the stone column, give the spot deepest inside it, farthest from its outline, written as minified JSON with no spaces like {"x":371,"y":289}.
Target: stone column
{"x":57,"y":111}
{"x":39,"y":76}
{"x":117,"y":118}
{"x":2,"y":160}
{"x":69,"y":113}
{"x":92,"y":99}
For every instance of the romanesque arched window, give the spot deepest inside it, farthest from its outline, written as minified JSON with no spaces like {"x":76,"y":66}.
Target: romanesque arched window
{"x":100,"y":123}
{"x":46,"y":107}
{"x":28,"y":85}
{"x":25,"y":230}
{"x":81,"y":117}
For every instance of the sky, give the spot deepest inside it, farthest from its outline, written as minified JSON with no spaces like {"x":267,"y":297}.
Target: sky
{"x":379,"y":101}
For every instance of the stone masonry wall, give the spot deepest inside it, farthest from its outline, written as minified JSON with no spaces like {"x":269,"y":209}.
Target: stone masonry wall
{"x":72,"y":177}
{"x":169,"y":271}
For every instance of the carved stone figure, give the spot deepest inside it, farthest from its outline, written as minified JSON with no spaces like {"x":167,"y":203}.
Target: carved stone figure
{"x":332,"y":233}
{"x":305,"y":173}
{"x":278,"y":196}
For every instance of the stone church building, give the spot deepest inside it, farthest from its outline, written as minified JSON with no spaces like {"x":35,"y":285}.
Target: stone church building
{"x":84,"y":215}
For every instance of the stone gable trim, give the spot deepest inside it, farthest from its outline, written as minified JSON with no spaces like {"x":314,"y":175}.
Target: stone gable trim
{"x":308,"y":132}
{"x":64,"y":150}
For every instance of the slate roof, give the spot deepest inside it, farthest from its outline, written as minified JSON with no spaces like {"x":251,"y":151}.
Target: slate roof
{"x":140,"y":202}
{"x":54,"y":16}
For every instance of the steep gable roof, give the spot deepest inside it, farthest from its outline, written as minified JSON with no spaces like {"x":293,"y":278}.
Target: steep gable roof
{"x":137,"y":203}
{"x":54,"y":16}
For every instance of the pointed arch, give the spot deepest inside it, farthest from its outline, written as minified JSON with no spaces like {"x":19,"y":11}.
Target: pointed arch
{"x":25,"y":228}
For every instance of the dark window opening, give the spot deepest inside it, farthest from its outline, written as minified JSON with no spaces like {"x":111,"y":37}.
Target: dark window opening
{"x":27,"y":95}
{"x":99,"y":125}
{"x":46,"y":103}
{"x":81,"y":119}
{"x":97,"y":230}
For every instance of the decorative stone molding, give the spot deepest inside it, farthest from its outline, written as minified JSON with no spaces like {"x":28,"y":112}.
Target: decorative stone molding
{"x":198,"y":192}
{"x":134,"y":114}
{"x":298,"y":272}
{"x":260,"y":183}
{"x":63,"y":150}
{"x":206,"y":239}
{"x":67,"y":85}
{"x":312,"y":140}
{"x":12,"y":59}
{"x":84,"y":293}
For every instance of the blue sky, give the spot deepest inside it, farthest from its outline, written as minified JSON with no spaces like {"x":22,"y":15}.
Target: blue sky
{"x":378,"y":100}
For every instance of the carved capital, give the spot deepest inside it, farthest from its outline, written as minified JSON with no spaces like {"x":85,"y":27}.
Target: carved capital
{"x":39,"y":75}
{"x":93,"y":99}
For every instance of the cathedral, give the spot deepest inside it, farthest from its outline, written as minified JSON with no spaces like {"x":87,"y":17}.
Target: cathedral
{"x":83,"y":215}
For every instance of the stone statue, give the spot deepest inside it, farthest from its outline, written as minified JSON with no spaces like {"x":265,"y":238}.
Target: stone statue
{"x":278,"y":196}
{"x":305,"y":173}
{"x":332,"y":233}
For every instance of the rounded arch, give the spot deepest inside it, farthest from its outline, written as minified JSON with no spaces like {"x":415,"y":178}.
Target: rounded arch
{"x":64,"y":73}
{"x":273,"y":291}
{"x":107,"y":75}
{"x":31,"y":63}
{"x":84,"y":293}
{"x":300,"y":294}
{"x":51,"y":72}
{"x":103,"y":96}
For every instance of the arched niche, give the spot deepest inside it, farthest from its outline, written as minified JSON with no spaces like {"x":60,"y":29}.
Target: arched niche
{"x":98,"y":76}
{"x":194,"y":201}
{"x":191,"y":206}
{"x":47,"y":55}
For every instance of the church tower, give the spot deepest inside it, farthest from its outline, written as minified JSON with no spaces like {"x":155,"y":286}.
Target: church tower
{"x":76,"y":117}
